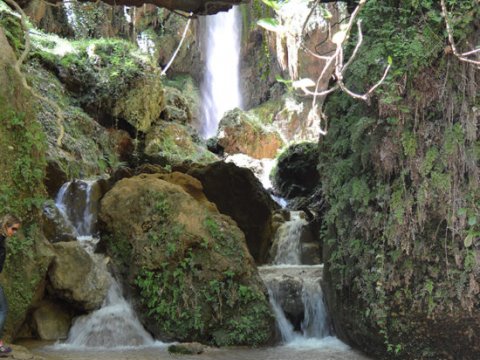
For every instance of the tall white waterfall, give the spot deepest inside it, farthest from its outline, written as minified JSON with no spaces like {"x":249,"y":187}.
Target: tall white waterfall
{"x":115,"y":324}
{"x":221,"y":83}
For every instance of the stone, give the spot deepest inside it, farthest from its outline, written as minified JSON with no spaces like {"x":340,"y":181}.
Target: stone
{"x":239,"y":132}
{"x":296,"y":173}
{"x":238,"y":194}
{"x":77,"y":277}
{"x":55,"y":227}
{"x":173,"y":143}
{"x":163,"y":236}
{"x":51,"y":321}
{"x":193,"y":348}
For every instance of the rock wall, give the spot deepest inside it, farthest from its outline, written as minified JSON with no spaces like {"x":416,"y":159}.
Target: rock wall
{"x":400,"y":176}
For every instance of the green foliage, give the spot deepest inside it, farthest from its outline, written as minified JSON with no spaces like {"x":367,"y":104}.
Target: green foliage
{"x":12,"y":28}
{"x":390,"y":173}
{"x":23,"y":145}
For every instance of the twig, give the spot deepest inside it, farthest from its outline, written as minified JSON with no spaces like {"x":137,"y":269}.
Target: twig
{"x":164,"y":71}
{"x":461,"y":57}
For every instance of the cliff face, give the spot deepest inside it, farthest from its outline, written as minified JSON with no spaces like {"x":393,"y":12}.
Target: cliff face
{"x":401,"y":178}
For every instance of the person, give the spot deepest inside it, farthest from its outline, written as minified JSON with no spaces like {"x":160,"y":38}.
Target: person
{"x":10,"y":225}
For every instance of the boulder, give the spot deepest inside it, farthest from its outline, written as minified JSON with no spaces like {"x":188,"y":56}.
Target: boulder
{"x":238,"y":194}
{"x":77,"y":277}
{"x":186,"y":348}
{"x":186,"y":266}
{"x":296,"y":173}
{"x":55,"y":227}
{"x":51,"y":321}
{"x":173,"y":143}
{"x":239,"y":132}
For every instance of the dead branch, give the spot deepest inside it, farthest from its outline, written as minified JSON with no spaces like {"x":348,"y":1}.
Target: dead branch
{"x":164,"y":71}
{"x":463,"y":56}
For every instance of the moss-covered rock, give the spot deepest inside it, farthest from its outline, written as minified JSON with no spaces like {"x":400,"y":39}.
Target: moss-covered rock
{"x":110,"y":79}
{"x":239,"y":194}
{"x":175,"y":143}
{"x":22,"y":171}
{"x":187,"y":265}
{"x":400,"y":177}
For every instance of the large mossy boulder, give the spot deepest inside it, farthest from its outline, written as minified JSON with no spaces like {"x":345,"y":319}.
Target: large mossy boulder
{"x":109,"y":78}
{"x":239,"y":194}
{"x":240,"y":132}
{"x":296,"y":172}
{"x":173,"y":143}
{"x":187,"y":266}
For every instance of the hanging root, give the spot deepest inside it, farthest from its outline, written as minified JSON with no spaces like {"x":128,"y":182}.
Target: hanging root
{"x":18,"y":66}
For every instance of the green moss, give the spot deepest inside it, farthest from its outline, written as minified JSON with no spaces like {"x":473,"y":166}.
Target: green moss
{"x":390,"y":176}
{"x":12,"y":28}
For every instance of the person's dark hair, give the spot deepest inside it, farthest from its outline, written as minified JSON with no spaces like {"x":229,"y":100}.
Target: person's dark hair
{"x":9,"y":220}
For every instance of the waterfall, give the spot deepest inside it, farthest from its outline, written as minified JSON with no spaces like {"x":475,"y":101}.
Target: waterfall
{"x":287,"y":240}
{"x":115,"y":324}
{"x":221,"y":83}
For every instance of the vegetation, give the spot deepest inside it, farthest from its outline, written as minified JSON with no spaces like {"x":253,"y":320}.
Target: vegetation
{"x":400,"y":178}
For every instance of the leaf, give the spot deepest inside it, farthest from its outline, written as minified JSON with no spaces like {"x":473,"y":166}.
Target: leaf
{"x":270,"y":24}
{"x":339,"y":37}
{"x":325,"y":13}
{"x":468,"y":241}
{"x":390,"y":60}
{"x":303,"y":83}
{"x":472,"y":220}
{"x":282,"y":80}
{"x":272,"y":4}
{"x":462,"y":212}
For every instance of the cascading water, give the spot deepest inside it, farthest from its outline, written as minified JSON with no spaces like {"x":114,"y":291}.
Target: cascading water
{"x":115,"y":324}
{"x":295,"y":291}
{"x":221,"y":84}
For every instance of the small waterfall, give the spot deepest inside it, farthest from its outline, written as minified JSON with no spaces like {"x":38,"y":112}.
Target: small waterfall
{"x":115,"y":324}
{"x":221,"y":84}
{"x":297,"y":301}
{"x":287,"y":240}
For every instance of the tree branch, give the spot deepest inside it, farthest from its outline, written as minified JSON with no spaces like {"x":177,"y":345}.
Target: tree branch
{"x":461,"y":57}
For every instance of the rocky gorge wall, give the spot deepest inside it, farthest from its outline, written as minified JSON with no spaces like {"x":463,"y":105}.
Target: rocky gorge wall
{"x":400,"y":177}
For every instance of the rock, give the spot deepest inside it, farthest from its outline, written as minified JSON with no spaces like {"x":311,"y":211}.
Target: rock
{"x":54,"y":178}
{"x":177,"y":108}
{"x":165,"y":241}
{"x":239,"y":132}
{"x":238,"y":194}
{"x":296,"y":173}
{"x":22,"y":353}
{"x":175,"y":144}
{"x":186,"y":348}
{"x":55,"y":227}
{"x":77,"y":277}
{"x":52,"y":321}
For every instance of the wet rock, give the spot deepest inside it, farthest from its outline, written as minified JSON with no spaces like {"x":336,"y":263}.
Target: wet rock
{"x":51,"y":321}
{"x":165,"y":238}
{"x":186,"y":348}
{"x":238,"y":194}
{"x":77,"y":277}
{"x":55,"y":227}
{"x":55,"y":178}
{"x":239,"y":132}
{"x":22,"y":353}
